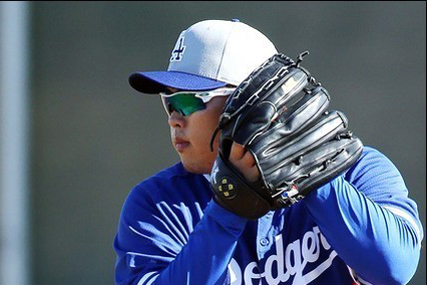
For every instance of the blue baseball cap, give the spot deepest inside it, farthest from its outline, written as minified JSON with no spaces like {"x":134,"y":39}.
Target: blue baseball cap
{"x":208,"y":55}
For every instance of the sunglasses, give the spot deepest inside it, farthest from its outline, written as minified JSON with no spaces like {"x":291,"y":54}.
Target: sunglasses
{"x":186,"y":103}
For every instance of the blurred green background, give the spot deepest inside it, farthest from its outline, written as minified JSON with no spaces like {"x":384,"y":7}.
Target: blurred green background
{"x":93,"y":137}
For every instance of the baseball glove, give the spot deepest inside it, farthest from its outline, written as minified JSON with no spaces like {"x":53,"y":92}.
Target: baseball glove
{"x":280,"y":114}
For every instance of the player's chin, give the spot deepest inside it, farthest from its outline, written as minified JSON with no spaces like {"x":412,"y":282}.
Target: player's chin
{"x":196,"y":166}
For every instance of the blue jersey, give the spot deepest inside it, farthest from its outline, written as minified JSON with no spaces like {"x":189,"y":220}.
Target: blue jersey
{"x":360,"y":228}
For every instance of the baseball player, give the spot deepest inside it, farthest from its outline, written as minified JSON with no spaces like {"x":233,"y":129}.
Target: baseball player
{"x":272,"y":186}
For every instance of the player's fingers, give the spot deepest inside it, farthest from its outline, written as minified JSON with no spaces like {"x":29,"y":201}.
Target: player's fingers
{"x":241,"y":156}
{"x":248,"y":159}
{"x":244,"y":162}
{"x":237,"y":152}
{"x":252,"y":174}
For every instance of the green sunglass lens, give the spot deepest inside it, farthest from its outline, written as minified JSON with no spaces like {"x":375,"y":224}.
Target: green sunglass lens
{"x":184,"y":104}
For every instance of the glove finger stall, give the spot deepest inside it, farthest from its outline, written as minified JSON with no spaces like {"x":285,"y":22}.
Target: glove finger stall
{"x":308,"y":109}
{"x":338,"y":155}
{"x":261,"y":118}
{"x":276,"y":154}
{"x":326,"y":161}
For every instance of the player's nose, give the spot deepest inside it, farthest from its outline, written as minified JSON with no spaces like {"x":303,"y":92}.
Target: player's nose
{"x":176,"y":120}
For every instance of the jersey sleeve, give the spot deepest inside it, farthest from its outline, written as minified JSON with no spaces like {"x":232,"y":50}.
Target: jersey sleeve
{"x":157,"y":244}
{"x":368,"y":218}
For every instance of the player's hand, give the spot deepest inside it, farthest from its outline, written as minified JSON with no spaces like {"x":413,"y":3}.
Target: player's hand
{"x":244,"y":162}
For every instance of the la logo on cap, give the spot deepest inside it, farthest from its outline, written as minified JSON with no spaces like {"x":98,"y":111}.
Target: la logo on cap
{"x":179,"y":48}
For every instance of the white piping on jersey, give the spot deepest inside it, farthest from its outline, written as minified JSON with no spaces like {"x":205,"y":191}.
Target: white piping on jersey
{"x":207,"y":176}
{"x":404,"y":215}
{"x":148,"y":277}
